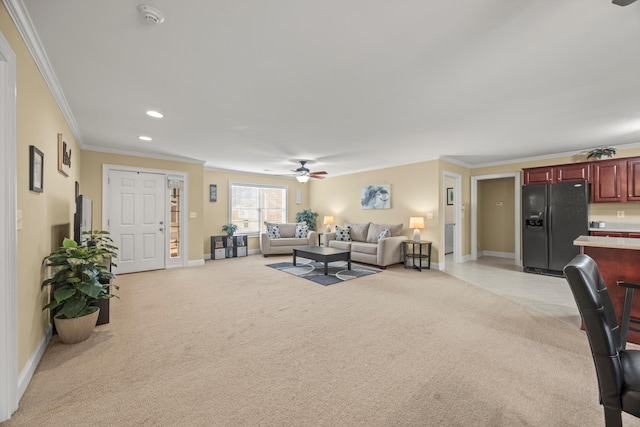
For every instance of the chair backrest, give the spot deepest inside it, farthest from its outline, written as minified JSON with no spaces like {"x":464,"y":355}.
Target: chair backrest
{"x":600,"y":323}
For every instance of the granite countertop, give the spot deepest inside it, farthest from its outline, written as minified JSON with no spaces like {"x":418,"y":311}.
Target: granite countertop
{"x":608,"y":242}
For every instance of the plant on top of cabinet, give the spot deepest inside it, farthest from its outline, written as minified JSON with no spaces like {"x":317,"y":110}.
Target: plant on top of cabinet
{"x":602,"y":152}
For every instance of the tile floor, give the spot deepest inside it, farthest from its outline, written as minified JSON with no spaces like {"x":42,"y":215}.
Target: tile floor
{"x":547,"y":294}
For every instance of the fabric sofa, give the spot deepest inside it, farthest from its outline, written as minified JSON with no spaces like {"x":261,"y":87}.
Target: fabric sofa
{"x":285,"y":240}
{"x":368,"y":244}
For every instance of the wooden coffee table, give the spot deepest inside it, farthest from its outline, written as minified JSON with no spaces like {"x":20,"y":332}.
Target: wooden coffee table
{"x":322,"y":254}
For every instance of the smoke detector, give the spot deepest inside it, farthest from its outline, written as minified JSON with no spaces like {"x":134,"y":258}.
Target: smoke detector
{"x":150,"y":14}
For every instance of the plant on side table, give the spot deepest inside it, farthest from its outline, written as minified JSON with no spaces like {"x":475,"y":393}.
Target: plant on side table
{"x":80,"y":278}
{"x":230,"y":228}
{"x":309,"y":216}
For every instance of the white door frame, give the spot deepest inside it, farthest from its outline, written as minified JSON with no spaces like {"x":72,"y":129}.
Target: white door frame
{"x":8,"y":235}
{"x":184,"y":200}
{"x":457,"y":217}
{"x":474,"y":211}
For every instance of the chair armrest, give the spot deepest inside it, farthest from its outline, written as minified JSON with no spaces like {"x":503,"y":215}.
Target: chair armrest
{"x":312,"y":236}
{"x":327,"y":237}
{"x":265,"y":243}
{"x":627,"y":284}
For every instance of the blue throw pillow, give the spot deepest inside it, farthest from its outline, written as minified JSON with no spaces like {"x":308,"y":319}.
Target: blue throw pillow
{"x":384,"y":233}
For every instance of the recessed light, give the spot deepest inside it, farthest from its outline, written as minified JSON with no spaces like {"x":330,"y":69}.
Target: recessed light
{"x":155,"y":114}
{"x":145,"y":138}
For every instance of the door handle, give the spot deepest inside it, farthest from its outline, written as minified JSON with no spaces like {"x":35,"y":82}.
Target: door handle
{"x":161,"y":229}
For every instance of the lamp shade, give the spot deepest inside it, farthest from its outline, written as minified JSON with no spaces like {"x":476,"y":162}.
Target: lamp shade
{"x":416,"y":222}
{"x":328,"y":220}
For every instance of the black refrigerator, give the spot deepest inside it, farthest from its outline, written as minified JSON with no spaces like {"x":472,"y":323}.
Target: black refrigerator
{"x":553,"y":216}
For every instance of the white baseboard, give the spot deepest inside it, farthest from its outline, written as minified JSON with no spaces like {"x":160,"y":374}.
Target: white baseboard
{"x":497,"y":254}
{"x":195,"y":263}
{"x":30,"y":368}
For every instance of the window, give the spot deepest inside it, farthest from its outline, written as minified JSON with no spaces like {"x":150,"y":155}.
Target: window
{"x":253,"y":204}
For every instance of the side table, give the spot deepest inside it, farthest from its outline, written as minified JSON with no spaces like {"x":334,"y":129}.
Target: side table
{"x":417,"y":253}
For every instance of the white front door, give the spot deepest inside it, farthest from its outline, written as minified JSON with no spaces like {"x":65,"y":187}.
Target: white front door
{"x":136,"y":219}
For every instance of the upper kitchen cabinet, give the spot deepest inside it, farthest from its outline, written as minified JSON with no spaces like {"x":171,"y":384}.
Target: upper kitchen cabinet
{"x":609,"y":181}
{"x":633,"y":179}
{"x":543,"y":175}
{"x":572,"y":172}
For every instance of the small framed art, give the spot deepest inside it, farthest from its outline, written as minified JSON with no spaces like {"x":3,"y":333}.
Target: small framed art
{"x":36,"y":169}
{"x":213,"y":192}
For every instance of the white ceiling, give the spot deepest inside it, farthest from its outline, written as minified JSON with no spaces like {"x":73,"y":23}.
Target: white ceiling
{"x":351,"y":85}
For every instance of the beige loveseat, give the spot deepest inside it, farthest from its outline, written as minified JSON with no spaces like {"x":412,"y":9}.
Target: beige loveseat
{"x":286,"y":241}
{"x":366,"y":245}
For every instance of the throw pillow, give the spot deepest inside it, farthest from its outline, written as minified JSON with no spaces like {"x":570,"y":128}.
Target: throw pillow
{"x":342,"y":234}
{"x":301,"y":231}
{"x":273,"y":231}
{"x":385,"y":233}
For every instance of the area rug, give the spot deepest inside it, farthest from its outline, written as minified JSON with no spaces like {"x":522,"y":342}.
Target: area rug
{"x":314,"y":271}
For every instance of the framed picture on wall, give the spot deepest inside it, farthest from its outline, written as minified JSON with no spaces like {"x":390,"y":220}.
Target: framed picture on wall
{"x":36,"y":169}
{"x":213,"y":192}
{"x":450,"y":196}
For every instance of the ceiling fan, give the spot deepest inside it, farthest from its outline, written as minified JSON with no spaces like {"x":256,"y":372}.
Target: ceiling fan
{"x":623,"y":2}
{"x":303,"y":173}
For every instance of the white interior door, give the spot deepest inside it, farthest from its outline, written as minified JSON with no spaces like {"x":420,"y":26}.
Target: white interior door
{"x":136,"y":219}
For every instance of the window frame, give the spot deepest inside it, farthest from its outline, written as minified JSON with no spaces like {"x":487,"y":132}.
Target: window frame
{"x":258,"y":185}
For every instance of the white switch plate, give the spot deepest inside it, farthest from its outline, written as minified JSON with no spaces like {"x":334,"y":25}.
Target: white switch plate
{"x":193,"y":215}
{"x":429,"y":215}
{"x":620,"y":214}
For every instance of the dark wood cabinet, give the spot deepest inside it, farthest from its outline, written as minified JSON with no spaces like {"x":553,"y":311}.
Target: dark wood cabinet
{"x":573,"y":172}
{"x":612,"y":181}
{"x":609,"y":181}
{"x":542,"y":175}
{"x":633,"y":180}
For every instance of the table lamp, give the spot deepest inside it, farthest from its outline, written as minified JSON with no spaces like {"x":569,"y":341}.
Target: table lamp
{"x":416,"y":222}
{"x":328,"y":221}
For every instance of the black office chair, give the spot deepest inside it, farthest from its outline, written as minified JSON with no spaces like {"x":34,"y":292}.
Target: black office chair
{"x":617,"y":369}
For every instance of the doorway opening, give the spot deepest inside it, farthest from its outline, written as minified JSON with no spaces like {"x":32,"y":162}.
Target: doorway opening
{"x":451,"y":207}
{"x":475,"y":180}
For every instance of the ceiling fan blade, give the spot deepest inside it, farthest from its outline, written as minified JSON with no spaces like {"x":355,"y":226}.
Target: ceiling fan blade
{"x":318,"y":173}
{"x":623,"y":2}
{"x":317,"y":176}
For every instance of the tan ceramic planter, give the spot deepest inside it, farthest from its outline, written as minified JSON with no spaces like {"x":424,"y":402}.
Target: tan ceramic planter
{"x":72,"y":331}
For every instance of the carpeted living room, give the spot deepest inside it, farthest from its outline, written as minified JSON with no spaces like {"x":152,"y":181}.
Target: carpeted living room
{"x":239,"y":343}
{"x":196,"y":133}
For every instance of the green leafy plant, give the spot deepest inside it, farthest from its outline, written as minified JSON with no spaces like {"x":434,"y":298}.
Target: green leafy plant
{"x":80,"y":276}
{"x":309,"y":216}
{"x":601,"y":152}
{"x":230,"y":228}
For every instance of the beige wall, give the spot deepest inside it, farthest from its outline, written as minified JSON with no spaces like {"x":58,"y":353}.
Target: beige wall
{"x":496,"y":215}
{"x":46,"y":216}
{"x":415,"y":191}
{"x":216,"y":214}
{"x":91,"y":185}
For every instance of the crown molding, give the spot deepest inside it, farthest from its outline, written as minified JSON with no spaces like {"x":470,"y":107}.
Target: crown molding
{"x":23,"y":22}
{"x":143,"y":154}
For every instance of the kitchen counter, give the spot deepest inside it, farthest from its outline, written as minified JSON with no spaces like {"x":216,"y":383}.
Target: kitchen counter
{"x":608,"y":242}
{"x":623,"y":227}
{"x":618,"y":259}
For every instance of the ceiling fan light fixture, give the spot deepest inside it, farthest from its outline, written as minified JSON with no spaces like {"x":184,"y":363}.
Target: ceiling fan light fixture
{"x":302,"y":178}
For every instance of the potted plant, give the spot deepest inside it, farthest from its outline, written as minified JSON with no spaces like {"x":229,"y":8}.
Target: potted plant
{"x":80,"y":278}
{"x":309,"y":216}
{"x":230,"y":228}
{"x":601,"y":152}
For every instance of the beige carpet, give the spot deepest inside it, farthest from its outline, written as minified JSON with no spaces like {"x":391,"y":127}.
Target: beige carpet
{"x":236,"y":343}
